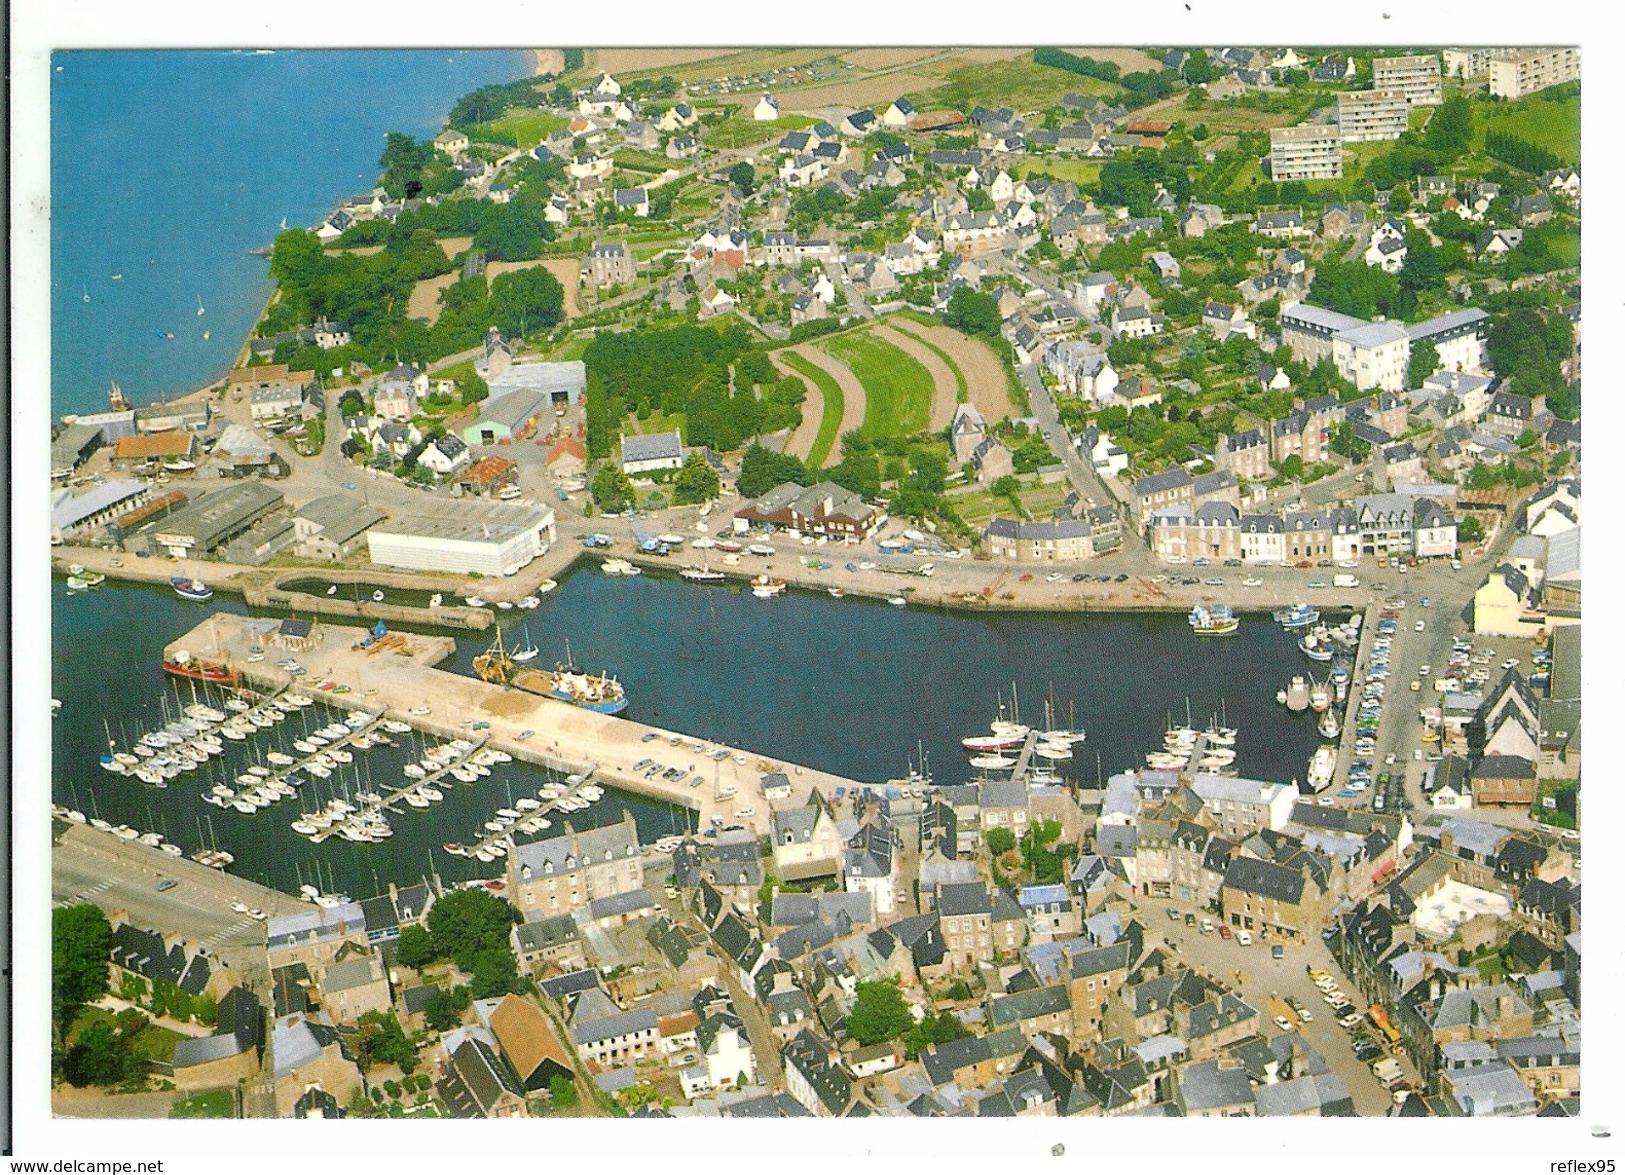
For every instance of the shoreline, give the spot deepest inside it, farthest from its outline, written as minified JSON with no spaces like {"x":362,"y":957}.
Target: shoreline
{"x":255,"y":582}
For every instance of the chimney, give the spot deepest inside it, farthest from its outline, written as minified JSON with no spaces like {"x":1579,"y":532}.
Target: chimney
{"x":1503,"y":1007}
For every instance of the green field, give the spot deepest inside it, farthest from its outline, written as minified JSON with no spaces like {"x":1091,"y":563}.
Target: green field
{"x":977,"y":506}
{"x":961,"y":388}
{"x":742,"y":130}
{"x":1552,"y":125}
{"x":1065,"y":170}
{"x":213,"y":1103}
{"x":896,"y":386}
{"x":829,"y":426}
{"x":521,"y":126}
{"x":1017,"y":83}
{"x":641,"y":161}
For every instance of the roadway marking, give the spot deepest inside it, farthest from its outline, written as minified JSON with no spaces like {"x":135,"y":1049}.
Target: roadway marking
{"x":221,"y":936}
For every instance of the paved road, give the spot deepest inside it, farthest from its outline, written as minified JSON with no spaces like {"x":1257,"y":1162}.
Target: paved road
{"x":1265,"y":984}
{"x":1078,"y":471}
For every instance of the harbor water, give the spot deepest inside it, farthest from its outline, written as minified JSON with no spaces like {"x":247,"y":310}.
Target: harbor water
{"x":852,"y":687}
{"x":150,"y":181}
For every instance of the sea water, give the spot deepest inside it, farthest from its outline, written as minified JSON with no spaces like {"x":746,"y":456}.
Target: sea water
{"x":167,"y":167}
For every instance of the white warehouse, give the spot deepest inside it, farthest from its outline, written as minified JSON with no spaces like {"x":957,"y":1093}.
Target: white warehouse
{"x":484,"y":538}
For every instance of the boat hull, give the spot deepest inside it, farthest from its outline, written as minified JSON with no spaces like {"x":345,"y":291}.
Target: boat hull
{"x":608,"y":706}
{"x":202,"y":671}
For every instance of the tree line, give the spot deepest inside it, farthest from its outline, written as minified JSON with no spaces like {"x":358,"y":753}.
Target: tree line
{"x":1520,"y":153}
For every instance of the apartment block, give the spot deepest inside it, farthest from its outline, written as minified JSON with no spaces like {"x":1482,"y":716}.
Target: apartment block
{"x":1470,"y":62}
{"x":1372,"y":116}
{"x":1417,"y":77}
{"x":1309,"y":152}
{"x":1532,"y":70}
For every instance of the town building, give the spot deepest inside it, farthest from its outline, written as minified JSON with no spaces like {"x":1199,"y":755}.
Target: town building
{"x":611,"y":264}
{"x":1526,"y":71}
{"x":569,"y":872}
{"x":1371,"y":116}
{"x":645,"y":454}
{"x":212,"y":519}
{"x":463,"y":537}
{"x":1417,"y":77}
{"x":822,"y":509}
{"x":332,"y":527}
{"x":1308,"y":152}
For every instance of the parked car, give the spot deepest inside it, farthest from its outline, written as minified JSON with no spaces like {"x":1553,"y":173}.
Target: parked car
{"x":167,"y":883}
{"x":1224,"y":932}
{"x":1244,"y":938}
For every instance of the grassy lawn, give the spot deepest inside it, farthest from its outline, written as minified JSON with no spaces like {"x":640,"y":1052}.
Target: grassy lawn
{"x":212,"y":1103}
{"x":642,"y":161}
{"x":742,"y":130}
{"x":1078,"y":171}
{"x":961,"y":388}
{"x":153,"y":1044}
{"x":1017,"y":83}
{"x":898,"y":388}
{"x":829,"y":426}
{"x":977,"y":506}
{"x":659,"y":422}
{"x":521,"y":126}
{"x":1552,"y":125}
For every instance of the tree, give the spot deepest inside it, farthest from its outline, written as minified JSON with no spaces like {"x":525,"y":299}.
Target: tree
{"x":415,"y":947}
{"x":743,"y":176}
{"x":1449,"y":133}
{"x":936,"y":1028}
{"x":495,"y":972}
{"x":561,"y":1091}
{"x":1424,"y":362}
{"x":1292,"y":467}
{"x":468,"y":921}
{"x":611,"y":489}
{"x":380,"y":1040}
{"x":878,"y":1013}
{"x":80,"y":941}
{"x":696,"y":481}
{"x":1198,"y":68}
{"x":1469,"y":529}
{"x":1000,"y":841}
{"x":440,"y":1010}
{"x":100,"y":1056}
{"x":972,"y":312}
{"x":1347,"y":443}
{"x":762,"y":469}
{"x":526,"y":300}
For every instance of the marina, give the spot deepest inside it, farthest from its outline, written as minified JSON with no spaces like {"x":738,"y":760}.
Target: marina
{"x":695,"y":659}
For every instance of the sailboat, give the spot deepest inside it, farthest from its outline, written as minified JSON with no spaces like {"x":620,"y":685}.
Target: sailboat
{"x":200,"y":310}
{"x":528,"y":651}
{"x":86,"y":289}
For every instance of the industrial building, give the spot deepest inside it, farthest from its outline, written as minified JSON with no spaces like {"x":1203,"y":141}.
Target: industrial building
{"x":463,"y":537}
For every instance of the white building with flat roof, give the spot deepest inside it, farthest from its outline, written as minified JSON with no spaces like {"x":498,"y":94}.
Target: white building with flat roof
{"x":1372,"y":116}
{"x":463,"y":537}
{"x":1308,"y":152}
{"x":1418,"y":77}
{"x":1527,"y":71}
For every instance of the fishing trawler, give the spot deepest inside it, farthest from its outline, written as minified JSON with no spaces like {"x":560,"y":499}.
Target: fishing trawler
{"x":1213,"y":620}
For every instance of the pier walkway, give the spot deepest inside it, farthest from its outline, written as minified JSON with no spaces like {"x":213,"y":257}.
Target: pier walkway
{"x":403,"y":683}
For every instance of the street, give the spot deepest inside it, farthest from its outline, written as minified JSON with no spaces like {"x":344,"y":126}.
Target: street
{"x":1265,"y":985}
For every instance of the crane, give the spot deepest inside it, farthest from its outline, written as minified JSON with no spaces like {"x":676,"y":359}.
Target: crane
{"x":987,"y":592}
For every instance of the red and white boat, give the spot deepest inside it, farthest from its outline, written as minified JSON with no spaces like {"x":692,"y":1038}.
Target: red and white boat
{"x":980,"y":744}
